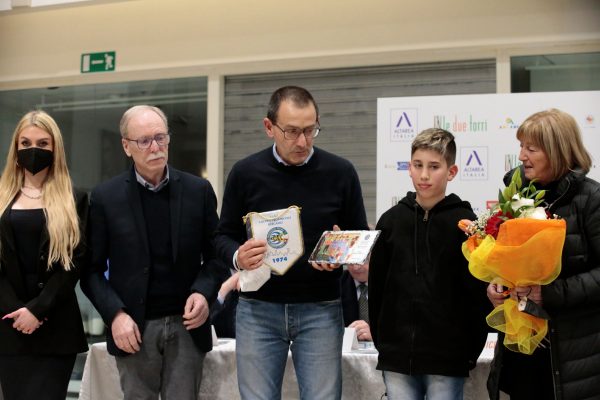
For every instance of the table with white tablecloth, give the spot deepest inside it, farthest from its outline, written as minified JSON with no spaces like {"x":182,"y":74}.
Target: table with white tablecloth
{"x":219,"y":381}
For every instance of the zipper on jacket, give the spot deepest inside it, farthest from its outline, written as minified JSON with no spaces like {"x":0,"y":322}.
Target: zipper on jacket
{"x":552,"y":361}
{"x":564,"y":193}
{"x":412,"y":347}
{"x":415,"y":235}
{"x":426,"y":216}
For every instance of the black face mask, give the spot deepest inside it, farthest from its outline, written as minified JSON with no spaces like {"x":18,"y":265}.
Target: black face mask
{"x":34,"y":159}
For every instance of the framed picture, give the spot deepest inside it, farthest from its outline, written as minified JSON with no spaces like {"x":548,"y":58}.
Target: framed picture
{"x":344,"y":247}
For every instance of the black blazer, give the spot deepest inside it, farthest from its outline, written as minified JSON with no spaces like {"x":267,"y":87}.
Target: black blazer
{"x":222,"y":316}
{"x":118,"y":237}
{"x":55,"y":301}
{"x":349,"y":298}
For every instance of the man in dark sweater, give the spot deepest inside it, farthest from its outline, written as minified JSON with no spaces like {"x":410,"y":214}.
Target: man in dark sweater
{"x":299,"y":310}
{"x":152,"y":228}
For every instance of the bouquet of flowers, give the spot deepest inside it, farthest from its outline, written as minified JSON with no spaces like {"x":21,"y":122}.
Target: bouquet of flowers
{"x":516,"y":243}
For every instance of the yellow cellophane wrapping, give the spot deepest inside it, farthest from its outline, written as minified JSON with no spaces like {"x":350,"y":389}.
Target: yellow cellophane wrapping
{"x":526,"y":252}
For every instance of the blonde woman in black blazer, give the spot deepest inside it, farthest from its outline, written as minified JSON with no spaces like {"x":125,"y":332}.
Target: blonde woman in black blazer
{"x":41,"y":249}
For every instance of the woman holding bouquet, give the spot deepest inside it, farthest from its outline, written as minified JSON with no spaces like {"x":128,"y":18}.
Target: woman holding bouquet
{"x":553,"y":155}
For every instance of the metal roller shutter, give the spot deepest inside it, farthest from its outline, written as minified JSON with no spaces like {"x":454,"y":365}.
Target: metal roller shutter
{"x":347,"y":100}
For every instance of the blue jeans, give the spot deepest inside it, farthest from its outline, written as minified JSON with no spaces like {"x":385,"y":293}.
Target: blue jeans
{"x":267,"y":331}
{"x":413,"y":387}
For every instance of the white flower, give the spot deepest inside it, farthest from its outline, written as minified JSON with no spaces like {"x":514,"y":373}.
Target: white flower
{"x":518,"y":202}
{"x":534,"y":213}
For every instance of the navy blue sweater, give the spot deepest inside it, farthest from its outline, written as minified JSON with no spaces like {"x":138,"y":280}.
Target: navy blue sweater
{"x":328,"y":191}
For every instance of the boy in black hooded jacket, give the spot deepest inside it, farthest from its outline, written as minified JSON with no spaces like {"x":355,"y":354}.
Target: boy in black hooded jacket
{"x":427,"y":311}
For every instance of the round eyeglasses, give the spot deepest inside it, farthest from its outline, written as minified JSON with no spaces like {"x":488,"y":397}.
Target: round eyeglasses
{"x":161,"y":139}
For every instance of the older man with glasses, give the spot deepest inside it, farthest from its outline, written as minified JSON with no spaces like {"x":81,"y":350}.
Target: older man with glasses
{"x":152,"y":228}
{"x":300,"y":309}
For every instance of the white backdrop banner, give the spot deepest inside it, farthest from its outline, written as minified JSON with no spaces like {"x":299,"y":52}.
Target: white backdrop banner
{"x":485,"y":129}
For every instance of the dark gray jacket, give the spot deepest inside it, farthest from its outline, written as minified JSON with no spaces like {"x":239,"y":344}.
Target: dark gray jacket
{"x":573,"y":299}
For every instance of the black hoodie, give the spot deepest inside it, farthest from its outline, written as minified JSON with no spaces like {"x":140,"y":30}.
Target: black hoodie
{"x":427,"y":311}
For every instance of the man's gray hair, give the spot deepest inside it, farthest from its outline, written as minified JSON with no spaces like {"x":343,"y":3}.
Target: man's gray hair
{"x":136,"y":109}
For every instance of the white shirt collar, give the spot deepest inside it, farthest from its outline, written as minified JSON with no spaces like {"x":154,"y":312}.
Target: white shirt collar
{"x":280,"y":160}
{"x":357,"y":283}
{"x":150,"y":186}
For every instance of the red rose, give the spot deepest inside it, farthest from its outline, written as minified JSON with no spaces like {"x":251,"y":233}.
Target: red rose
{"x":493,"y":223}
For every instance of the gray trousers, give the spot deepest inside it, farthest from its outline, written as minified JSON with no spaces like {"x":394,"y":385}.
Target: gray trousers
{"x":168,"y":363}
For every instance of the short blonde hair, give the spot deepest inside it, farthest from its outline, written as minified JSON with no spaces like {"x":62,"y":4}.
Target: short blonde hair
{"x":557,"y":134}
{"x":439,"y":140}
{"x":62,"y":221}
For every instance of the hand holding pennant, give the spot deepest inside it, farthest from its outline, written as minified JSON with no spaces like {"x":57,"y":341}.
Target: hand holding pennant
{"x":275,"y":244}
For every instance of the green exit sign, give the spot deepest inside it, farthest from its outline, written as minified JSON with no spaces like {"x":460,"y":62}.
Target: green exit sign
{"x":98,"y":62}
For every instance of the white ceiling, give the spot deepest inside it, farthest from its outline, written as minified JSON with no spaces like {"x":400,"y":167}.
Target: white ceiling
{"x":10,"y":5}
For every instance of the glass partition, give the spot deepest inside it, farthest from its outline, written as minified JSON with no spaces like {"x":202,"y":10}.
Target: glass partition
{"x":89,"y":116}
{"x":555,"y":72}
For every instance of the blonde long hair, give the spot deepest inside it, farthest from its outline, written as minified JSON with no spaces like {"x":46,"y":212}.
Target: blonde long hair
{"x":62,"y":221}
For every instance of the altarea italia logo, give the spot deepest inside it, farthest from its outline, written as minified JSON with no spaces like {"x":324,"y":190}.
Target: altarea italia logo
{"x":402,"y":165}
{"x":474,"y":163}
{"x":277,"y":237}
{"x":403,"y":124}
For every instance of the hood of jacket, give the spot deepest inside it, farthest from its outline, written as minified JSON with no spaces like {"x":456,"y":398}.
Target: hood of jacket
{"x":448,"y":202}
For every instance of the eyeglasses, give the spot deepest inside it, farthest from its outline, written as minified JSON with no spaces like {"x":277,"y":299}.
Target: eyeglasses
{"x":161,"y":139}
{"x":294,"y":133}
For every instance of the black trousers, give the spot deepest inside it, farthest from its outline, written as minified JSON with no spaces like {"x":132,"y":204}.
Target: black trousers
{"x":35,"y":377}
{"x":527,"y":377}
